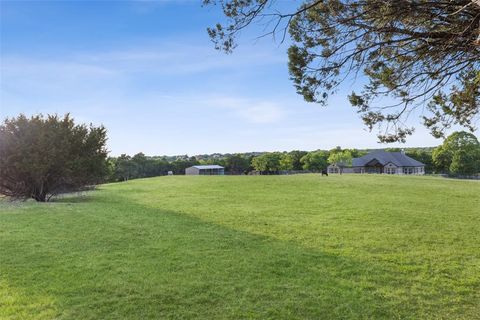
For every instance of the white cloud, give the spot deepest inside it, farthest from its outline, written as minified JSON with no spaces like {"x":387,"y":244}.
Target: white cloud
{"x":179,"y":59}
{"x":109,"y":76}
{"x":165,"y":59}
{"x":264,"y":112}
{"x":250,"y":110}
{"x":155,"y":98}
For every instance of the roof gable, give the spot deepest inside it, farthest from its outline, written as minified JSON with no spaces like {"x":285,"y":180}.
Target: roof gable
{"x":373,"y":162}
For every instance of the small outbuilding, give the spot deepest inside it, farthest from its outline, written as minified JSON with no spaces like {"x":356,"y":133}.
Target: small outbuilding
{"x":207,"y":170}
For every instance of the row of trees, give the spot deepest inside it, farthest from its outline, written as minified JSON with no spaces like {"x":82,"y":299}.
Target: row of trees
{"x":126,"y":167}
{"x":41,"y":157}
{"x":315,"y":161}
{"x":459,"y":155}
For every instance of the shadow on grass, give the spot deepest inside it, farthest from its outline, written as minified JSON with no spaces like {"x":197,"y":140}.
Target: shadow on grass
{"x":74,"y":197}
{"x":133,"y":262}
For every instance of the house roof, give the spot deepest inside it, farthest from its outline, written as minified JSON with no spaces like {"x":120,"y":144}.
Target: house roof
{"x":211,"y":166}
{"x":383,"y":157}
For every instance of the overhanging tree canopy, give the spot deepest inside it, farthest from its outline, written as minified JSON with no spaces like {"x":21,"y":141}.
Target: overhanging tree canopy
{"x":417,"y":55}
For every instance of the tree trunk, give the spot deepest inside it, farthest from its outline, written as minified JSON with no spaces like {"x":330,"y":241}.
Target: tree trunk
{"x":40,"y":197}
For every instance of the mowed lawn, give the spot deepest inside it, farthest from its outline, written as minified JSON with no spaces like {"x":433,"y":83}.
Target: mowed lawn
{"x":247,"y":247}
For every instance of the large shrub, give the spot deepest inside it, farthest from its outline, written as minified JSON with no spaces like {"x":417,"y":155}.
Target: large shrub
{"x":43,"y":156}
{"x":267,"y":162}
{"x":458,"y":155}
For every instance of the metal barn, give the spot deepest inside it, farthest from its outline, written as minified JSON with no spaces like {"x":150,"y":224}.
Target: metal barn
{"x":207,"y":170}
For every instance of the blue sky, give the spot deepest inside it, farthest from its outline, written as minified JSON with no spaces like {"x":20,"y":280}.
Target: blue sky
{"x":149,"y":73}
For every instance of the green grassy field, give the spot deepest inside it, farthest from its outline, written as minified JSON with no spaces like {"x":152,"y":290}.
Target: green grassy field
{"x":259,"y":247}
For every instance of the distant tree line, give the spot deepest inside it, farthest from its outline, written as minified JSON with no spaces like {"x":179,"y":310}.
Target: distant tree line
{"x":458,"y":156}
{"x":41,"y":157}
{"x":126,"y":167}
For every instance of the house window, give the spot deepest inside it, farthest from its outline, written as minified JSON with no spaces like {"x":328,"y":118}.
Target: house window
{"x":390,"y":170}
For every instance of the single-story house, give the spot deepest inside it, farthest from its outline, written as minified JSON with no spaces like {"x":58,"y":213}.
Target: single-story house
{"x":382,"y":162}
{"x":205,"y":170}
